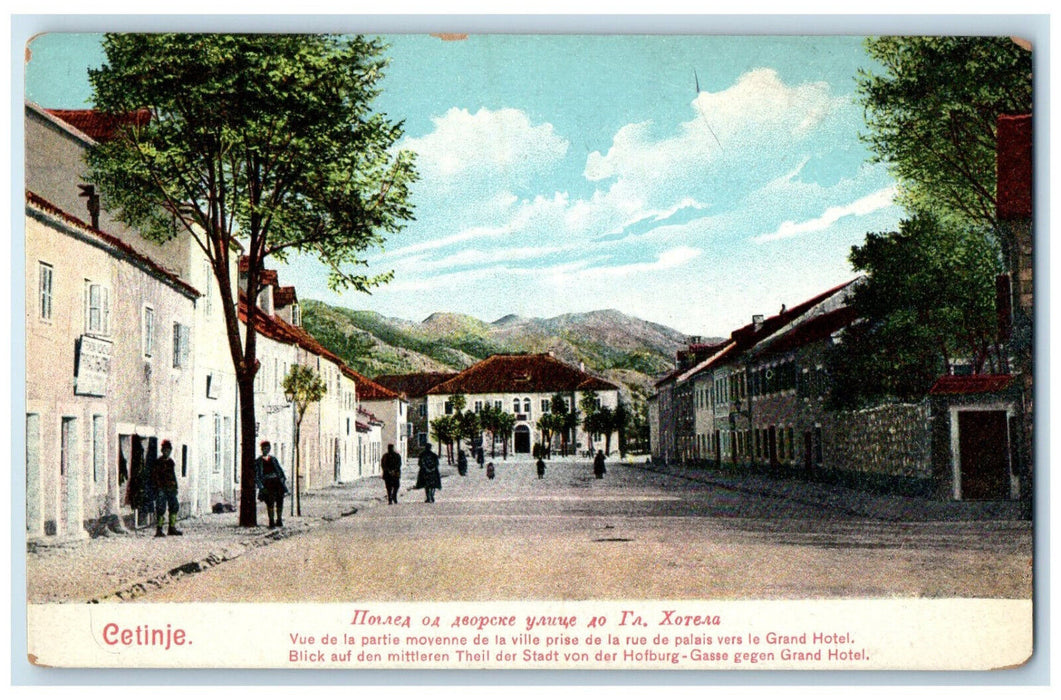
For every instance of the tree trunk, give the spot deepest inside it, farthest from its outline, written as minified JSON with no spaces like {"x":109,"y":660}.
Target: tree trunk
{"x":248,"y":505}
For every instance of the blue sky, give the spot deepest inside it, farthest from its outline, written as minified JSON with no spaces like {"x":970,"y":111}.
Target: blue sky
{"x":564,"y":173}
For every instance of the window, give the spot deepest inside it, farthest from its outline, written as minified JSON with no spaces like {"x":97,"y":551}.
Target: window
{"x":97,"y":309}
{"x":184,"y":460}
{"x":545,"y":405}
{"x":98,"y":444}
{"x":449,"y":408}
{"x":478,"y":406}
{"x":296,"y":315}
{"x":44,"y":284}
{"x":515,"y":405}
{"x":526,"y":406}
{"x":181,"y":342}
{"x":497,"y":405}
{"x":217,"y":444}
{"x":423,"y":410}
{"x":148,"y":331}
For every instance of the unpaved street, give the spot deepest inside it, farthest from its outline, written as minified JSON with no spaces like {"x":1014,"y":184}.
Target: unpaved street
{"x":634,"y":534}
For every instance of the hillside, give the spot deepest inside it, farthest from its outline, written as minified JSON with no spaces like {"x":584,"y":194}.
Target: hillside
{"x":623,"y":349}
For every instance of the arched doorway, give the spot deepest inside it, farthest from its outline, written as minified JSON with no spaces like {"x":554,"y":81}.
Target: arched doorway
{"x":521,"y":440}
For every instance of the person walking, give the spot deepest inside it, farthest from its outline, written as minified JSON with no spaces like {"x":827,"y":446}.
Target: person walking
{"x":462,"y":463}
{"x":428,"y":477}
{"x":598,"y":465}
{"x":479,"y":457}
{"x":164,"y":477}
{"x":541,"y":468}
{"x":271,"y":481}
{"x":391,"y":472}
{"x":489,"y":470}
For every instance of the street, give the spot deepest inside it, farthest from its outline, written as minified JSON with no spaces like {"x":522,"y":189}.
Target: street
{"x":635,"y":534}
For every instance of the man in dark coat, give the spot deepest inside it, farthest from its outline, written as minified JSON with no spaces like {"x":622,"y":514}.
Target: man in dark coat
{"x":428,"y":478}
{"x":164,"y":477}
{"x":391,"y":468}
{"x":271,"y":481}
{"x":462,"y":463}
{"x":598,"y":465}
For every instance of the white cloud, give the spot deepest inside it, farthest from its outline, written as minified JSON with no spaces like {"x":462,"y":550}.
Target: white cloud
{"x":868,"y":204}
{"x":750,"y":119}
{"x":502,"y":140}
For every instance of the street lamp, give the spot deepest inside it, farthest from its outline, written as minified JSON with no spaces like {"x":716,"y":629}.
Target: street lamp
{"x":289,"y":394}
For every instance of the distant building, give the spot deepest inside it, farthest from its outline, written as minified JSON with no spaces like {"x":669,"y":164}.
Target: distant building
{"x":413,"y":389}
{"x":524,"y":385}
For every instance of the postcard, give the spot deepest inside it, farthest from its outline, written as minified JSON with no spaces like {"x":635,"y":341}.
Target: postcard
{"x":529,"y":351}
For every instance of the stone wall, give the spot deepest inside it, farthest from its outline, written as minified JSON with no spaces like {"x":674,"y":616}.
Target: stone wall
{"x":886,"y":448}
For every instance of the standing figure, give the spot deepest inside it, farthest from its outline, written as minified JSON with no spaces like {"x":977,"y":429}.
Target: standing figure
{"x":462,"y":462}
{"x":598,"y":465}
{"x":164,"y":477}
{"x":428,"y":477}
{"x":479,"y":457}
{"x":541,"y":468}
{"x":391,"y":468}
{"x":271,"y":481}
{"x":489,"y":470}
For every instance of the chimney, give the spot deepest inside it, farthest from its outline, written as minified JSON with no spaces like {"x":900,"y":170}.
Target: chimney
{"x":89,"y":193}
{"x":757,"y":321}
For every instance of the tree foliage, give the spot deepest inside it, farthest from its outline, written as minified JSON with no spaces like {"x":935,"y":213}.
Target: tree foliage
{"x":928,"y":302}
{"x":264,"y":144}
{"x":932,"y":114}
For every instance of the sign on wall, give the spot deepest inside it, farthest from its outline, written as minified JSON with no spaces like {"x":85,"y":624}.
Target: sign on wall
{"x":92,"y":366}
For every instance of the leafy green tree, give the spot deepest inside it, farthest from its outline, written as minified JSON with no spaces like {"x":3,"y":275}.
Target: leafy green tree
{"x":265,"y":144}
{"x":932,"y":110}
{"x":621,"y":419}
{"x":506,"y":423}
{"x":444,"y":432}
{"x":302,"y":386}
{"x":547,"y":425}
{"x":489,"y":419}
{"x":468,"y":427}
{"x":927,"y":301}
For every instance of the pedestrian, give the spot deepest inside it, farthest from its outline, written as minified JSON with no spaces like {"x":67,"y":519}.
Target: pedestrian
{"x":598,"y":465}
{"x":391,"y":471}
{"x":164,"y":477}
{"x":428,"y":477}
{"x":479,"y":457}
{"x":541,"y":468}
{"x":462,"y":463}
{"x":271,"y":481}
{"x":489,"y":470}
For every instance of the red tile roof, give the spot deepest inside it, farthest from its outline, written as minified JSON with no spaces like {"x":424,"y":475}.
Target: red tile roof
{"x":284,"y":296}
{"x":277,"y":329}
{"x":749,"y":335}
{"x":812,"y":330}
{"x":97,"y":125}
{"x":36,"y":201}
{"x":951,"y":385}
{"x":414,"y":385}
{"x":521,"y":374}
{"x":367,"y":389}
{"x":1013,"y":162}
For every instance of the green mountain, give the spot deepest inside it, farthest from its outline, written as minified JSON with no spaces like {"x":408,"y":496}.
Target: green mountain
{"x":620,"y":348}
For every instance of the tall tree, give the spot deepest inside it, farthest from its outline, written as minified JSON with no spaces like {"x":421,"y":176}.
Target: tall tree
{"x":506,"y":423}
{"x":928,"y":301}
{"x":444,"y":431}
{"x":262,"y":143}
{"x":302,"y":386}
{"x":489,"y":419}
{"x":932,"y":111}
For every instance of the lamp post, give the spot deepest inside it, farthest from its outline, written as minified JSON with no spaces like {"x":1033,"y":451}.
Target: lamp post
{"x":296,"y":423}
